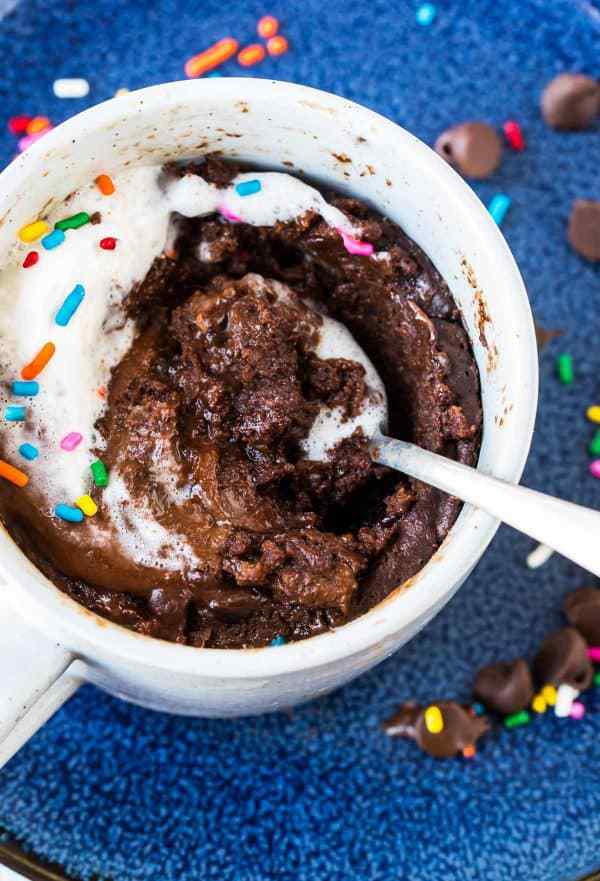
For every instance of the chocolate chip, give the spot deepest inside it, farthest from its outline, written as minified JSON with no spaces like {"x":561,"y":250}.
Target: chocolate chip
{"x":563,"y":658}
{"x":582,"y":609}
{"x":571,"y":102}
{"x":461,"y":728}
{"x":472,"y":148}
{"x":95,"y":218}
{"x":506,"y":687}
{"x":584,"y":228}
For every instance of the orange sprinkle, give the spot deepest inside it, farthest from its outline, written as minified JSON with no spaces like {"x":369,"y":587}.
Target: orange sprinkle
{"x":37,"y":124}
{"x":251,"y":55}
{"x":267,"y":27}
{"x":277,"y":45}
{"x":211,"y":57}
{"x":469,"y":751}
{"x":9,"y":472}
{"x":105,"y":184}
{"x":31,"y":370}
{"x":102,"y":391}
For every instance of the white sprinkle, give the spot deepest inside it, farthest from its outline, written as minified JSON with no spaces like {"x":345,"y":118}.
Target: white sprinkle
{"x":565,"y":695}
{"x":71,"y":88}
{"x":539,"y":556}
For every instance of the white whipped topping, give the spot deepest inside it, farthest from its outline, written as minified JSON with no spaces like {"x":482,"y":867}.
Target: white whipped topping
{"x":97,"y":336}
{"x":142,"y":538}
{"x":329,"y":428}
{"x":281,"y":198}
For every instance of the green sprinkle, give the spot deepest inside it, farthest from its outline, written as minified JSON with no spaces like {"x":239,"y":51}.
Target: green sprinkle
{"x":564,"y":367}
{"x":517,"y":719}
{"x":73,"y":222}
{"x":594,"y":446}
{"x":597,"y":677}
{"x":99,"y":473}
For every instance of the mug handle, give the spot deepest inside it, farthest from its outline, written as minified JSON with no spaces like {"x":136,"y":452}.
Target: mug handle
{"x":36,"y":678}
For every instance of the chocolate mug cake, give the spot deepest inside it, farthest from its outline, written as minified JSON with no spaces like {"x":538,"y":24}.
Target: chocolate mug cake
{"x":214,"y":348}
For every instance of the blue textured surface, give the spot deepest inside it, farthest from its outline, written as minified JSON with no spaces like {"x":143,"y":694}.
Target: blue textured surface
{"x":113,"y":791}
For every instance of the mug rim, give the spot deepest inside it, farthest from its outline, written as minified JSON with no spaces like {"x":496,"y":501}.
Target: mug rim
{"x":97,"y":638}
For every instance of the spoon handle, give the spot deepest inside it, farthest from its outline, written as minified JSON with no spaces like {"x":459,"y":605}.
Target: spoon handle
{"x":572,"y":530}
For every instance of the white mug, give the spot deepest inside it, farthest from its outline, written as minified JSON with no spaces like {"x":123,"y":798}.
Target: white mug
{"x":49,"y":644}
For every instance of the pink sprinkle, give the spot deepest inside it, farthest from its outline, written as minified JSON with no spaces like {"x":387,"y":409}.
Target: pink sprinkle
{"x":354,"y":246}
{"x":70,"y":441}
{"x":595,"y":468}
{"x":594,"y":653}
{"x":229,"y":215}
{"x":28,"y":140}
{"x":577,"y":710}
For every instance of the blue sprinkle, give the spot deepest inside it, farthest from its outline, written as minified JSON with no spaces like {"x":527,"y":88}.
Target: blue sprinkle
{"x":28,"y":451}
{"x":279,"y":640}
{"x":68,"y":513}
{"x":248,"y":187}
{"x":426,"y":13}
{"x":478,"y":709}
{"x":70,"y":306}
{"x":499,"y":206}
{"x":25,"y":389}
{"x":15,"y":413}
{"x":53,"y":239}
{"x":215,"y":73}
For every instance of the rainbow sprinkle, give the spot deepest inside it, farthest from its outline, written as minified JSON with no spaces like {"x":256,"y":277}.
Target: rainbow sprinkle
{"x":37,"y":364}
{"x":12,"y":474}
{"x":99,"y":473}
{"x":70,"y":305}
{"x":248,"y":187}
{"x":15,"y":413}
{"x":355,"y":246}
{"x":24,"y":389}
{"x":53,"y":239}
{"x":70,"y":441}
{"x":499,"y":206}
{"x":33,"y":231}
{"x":69,"y":513}
{"x":73,"y":222}
{"x":29,"y":452}
{"x":425,"y":14}
{"x":279,"y":640}
{"x":87,"y":505}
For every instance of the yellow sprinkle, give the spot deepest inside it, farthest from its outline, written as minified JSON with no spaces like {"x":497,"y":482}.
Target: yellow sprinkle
{"x":434,"y":721}
{"x":538,"y":704}
{"x":87,"y":505}
{"x":121,"y":91}
{"x":33,"y":231}
{"x":593,"y":413}
{"x":549,"y":694}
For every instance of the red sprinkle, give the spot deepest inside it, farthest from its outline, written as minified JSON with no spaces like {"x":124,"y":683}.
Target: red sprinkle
{"x":109,"y":243}
{"x":31,"y":259}
{"x":514,"y":135}
{"x":18,"y":124}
